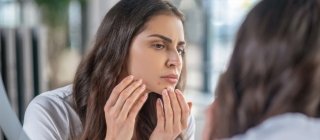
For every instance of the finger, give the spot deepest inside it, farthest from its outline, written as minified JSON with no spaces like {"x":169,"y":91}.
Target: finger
{"x":160,"y":115}
{"x":117,"y":90}
{"x":185,"y":109}
{"x":129,"y":103}
{"x":137,"y":107}
{"x":167,"y":111}
{"x":176,"y":109}
{"x":124,"y":95}
{"x":190,"y":106}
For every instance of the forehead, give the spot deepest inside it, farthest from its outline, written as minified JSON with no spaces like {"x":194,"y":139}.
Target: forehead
{"x":165,"y":24}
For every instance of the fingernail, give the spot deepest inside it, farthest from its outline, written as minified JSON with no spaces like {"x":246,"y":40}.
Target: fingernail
{"x":179,"y":93}
{"x":159,"y":102}
{"x":143,"y":86}
{"x":146,"y":96}
{"x":131,"y":77}
{"x":163,"y":91}
{"x":166,"y":92}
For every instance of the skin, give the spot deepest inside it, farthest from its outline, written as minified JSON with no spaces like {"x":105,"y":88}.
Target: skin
{"x":209,"y":119}
{"x":154,"y":53}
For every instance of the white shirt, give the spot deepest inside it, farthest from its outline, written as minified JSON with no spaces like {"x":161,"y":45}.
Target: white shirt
{"x":52,"y":116}
{"x":289,"y":126}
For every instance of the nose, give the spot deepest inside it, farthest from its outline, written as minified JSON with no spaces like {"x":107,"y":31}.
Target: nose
{"x":174,"y":59}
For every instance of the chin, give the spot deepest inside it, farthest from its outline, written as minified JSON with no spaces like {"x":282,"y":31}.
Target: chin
{"x":160,"y":89}
{"x":155,"y":91}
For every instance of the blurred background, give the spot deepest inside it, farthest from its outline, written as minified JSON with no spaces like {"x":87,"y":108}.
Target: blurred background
{"x":43,"y":41}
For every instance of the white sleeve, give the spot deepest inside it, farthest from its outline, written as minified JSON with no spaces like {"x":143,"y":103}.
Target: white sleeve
{"x":44,"y":120}
{"x":189,"y":133}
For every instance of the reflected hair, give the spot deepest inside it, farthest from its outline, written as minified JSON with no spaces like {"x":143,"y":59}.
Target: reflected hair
{"x":274,"y":68}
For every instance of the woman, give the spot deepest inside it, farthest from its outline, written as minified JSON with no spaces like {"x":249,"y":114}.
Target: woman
{"x":128,"y":87}
{"x":270,"y":90}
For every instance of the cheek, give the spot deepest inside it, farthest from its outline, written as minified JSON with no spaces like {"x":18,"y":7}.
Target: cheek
{"x":143,"y":67}
{"x":149,"y":69}
{"x":139,"y":63}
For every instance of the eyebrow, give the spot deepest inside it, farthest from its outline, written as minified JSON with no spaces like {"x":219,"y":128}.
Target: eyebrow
{"x":166,"y":39}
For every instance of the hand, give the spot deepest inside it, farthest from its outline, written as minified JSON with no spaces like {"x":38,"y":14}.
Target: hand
{"x":172,"y":115}
{"x":122,"y":108}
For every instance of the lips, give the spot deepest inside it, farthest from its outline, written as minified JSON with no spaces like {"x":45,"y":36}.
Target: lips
{"x":171,"y":78}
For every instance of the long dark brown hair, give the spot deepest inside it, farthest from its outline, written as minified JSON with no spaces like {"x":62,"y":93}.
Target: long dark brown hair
{"x":274,"y":68}
{"x":99,"y":71}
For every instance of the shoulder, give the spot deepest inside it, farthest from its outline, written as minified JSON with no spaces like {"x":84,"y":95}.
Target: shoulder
{"x":294,"y":126}
{"x":57,"y":96}
{"x":58,"y":101}
{"x":51,"y":115}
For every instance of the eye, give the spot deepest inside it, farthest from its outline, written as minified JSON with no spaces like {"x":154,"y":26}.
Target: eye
{"x":181,"y":51}
{"x":158,"y":46}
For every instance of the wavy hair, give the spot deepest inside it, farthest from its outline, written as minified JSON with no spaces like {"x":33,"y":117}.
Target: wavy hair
{"x":99,"y":71}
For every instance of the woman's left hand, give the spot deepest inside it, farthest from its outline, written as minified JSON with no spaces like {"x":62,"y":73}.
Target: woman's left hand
{"x":172,"y":115}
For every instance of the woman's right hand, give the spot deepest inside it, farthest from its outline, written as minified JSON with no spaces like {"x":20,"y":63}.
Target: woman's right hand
{"x":122,"y":108}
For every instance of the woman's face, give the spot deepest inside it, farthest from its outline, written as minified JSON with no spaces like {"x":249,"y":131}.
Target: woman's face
{"x":156,"y":53}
